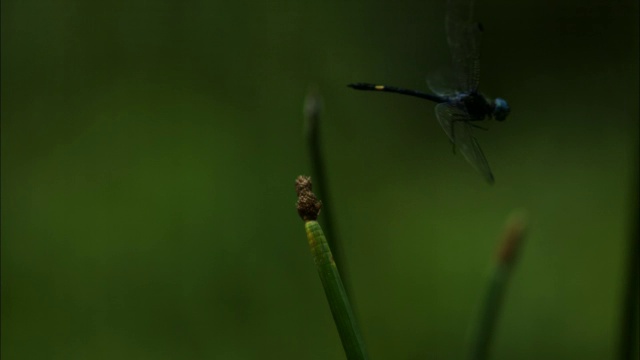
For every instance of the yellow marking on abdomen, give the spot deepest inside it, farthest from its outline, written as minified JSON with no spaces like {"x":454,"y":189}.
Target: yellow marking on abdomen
{"x":379,"y":87}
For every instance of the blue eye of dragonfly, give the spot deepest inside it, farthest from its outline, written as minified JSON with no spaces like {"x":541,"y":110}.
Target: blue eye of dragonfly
{"x":461,"y":105}
{"x":500,"y":109}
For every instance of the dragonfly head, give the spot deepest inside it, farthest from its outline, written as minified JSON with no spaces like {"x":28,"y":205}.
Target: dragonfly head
{"x":500,"y":109}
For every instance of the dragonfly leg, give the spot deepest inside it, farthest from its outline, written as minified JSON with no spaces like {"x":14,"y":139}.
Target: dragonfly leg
{"x":453,"y":137}
{"x":478,"y":126}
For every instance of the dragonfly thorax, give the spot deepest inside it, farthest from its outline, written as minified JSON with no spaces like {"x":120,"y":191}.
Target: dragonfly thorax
{"x":476,"y":105}
{"x":479,"y":107}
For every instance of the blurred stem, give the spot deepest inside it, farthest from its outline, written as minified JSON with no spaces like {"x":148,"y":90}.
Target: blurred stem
{"x":343,"y":316}
{"x":312,"y":110}
{"x":490,"y":311}
{"x":628,"y":342}
{"x":492,"y":305}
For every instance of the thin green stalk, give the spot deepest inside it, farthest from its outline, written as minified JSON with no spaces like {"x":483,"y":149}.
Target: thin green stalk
{"x":308,"y":209}
{"x":312,"y":110}
{"x":492,"y":304}
{"x":489,"y":315}
{"x":628,"y":341}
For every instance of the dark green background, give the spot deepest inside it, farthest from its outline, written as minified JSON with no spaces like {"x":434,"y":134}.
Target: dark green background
{"x":149,"y":150}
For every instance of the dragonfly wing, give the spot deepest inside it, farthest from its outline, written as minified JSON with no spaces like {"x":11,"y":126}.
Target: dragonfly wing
{"x":464,"y":37}
{"x":469,"y":147}
{"x":443,"y":82}
{"x":456,"y":124}
{"x":446,"y":114}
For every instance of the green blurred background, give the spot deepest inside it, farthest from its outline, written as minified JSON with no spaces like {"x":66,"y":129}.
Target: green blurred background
{"x":149,"y":151}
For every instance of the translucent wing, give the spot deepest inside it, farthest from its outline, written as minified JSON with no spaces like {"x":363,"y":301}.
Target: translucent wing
{"x":456,"y":125}
{"x":445,"y":113}
{"x":464,"y":37}
{"x":443,"y":82}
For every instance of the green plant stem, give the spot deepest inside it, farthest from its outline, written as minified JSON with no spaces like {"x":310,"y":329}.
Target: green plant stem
{"x":308,"y":207}
{"x":336,"y":295}
{"x":489,"y":314}
{"x":492,"y":304}
{"x":628,"y":341}
{"x":312,"y":110}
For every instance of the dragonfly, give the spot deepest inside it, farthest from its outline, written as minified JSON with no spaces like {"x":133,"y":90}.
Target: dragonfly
{"x":460,"y":106}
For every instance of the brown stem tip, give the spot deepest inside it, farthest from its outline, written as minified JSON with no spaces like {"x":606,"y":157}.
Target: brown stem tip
{"x":308,"y":204}
{"x":512,"y":238}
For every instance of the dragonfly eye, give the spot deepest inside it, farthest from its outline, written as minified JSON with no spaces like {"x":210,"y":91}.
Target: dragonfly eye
{"x":500,"y":109}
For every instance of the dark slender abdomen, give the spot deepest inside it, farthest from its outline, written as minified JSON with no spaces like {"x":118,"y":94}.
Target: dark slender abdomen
{"x":397,"y":90}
